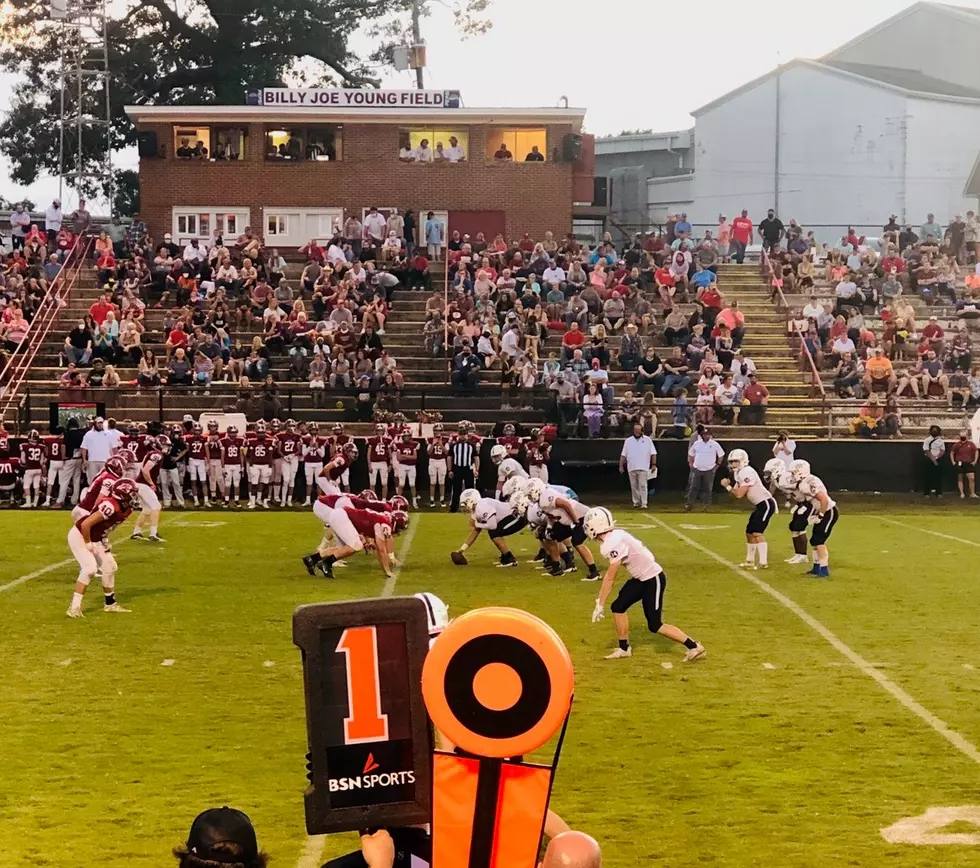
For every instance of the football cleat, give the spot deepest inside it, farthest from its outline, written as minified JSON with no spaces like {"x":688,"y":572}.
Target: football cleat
{"x":695,"y":653}
{"x":74,"y":613}
{"x":594,"y":578}
{"x":619,"y":653}
{"x":153,"y":537}
{"x":138,"y":535}
{"x":115,"y":607}
{"x":325,"y":569}
{"x":797,"y":559}
{"x":310,"y":564}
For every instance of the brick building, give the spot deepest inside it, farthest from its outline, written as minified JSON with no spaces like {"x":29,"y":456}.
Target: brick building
{"x":296,"y":172}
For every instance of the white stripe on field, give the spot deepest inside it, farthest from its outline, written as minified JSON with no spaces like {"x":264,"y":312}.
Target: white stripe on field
{"x":966,"y":542}
{"x":312,"y":855}
{"x":965,"y":747}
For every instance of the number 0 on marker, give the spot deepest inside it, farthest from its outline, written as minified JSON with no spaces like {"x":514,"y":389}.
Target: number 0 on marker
{"x":364,"y":722}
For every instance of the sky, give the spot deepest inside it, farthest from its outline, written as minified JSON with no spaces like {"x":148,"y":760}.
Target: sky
{"x":626,"y":62}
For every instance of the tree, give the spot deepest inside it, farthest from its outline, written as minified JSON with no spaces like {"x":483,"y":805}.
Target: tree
{"x":214,"y":52}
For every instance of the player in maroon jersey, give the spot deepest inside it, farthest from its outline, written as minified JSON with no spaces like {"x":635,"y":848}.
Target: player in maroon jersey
{"x":216,"y":476}
{"x":33,"y":457}
{"x":147,"y":480}
{"x":114,"y":470}
{"x":379,"y":457}
{"x":314,"y":454}
{"x":232,"y":459}
{"x":197,"y":463}
{"x":290,"y":447}
{"x":9,"y":467}
{"x":406,"y":458}
{"x":352,"y":528}
{"x":87,"y":541}
{"x":54,"y":447}
{"x":337,"y":442}
{"x":510,"y":441}
{"x":275,"y":427}
{"x":438,"y":452}
{"x":260,"y":453}
{"x":335,"y":469}
{"x":538,"y":455}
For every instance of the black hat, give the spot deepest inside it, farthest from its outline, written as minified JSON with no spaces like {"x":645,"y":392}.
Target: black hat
{"x":223,"y":835}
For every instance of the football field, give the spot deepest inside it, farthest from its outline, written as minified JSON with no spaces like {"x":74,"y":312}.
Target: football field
{"x":825,"y":714}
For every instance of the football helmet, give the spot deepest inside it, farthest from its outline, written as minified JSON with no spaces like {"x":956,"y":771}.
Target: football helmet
{"x":290,"y":424}
{"x":380,"y":430}
{"x":800,"y":469}
{"x":368,"y":494}
{"x":33,"y":435}
{"x":399,"y":521}
{"x":231,"y":431}
{"x":350,"y":451}
{"x":520,"y":503}
{"x":163,"y":443}
{"x":498,"y":453}
{"x":197,"y":428}
{"x":461,"y":427}
{"x":125,"y":491}
{"x":437,"y":430}
{"x":509,"y":430}
{"x":534,"y":488}
{"x":337,"y":429}
{"x":469,"y":499}
{"x":275,"y":424}
{"x":213,"y":426}
{"x":737,"y":459}
{"x":436,"y":613}
{"x":132,"y":429}
{"x":598,"y":521}
{"x":774,"y":466}
{"x":406,"y":435}
{"x":313,"y":428}
{"x":116,"y":465}
{"x":513,"y":486}
{"x":398,"y":503}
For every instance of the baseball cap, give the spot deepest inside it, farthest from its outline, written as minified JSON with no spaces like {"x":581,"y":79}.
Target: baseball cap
{"x":223,"y":835}
{"x":188,"y":417}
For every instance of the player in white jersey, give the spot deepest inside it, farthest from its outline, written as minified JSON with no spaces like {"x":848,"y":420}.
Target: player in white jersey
{"x":781,"y":481}
{"x":749,"y":484}
{"x":647,"y":584}
{"x":506,"y":467}
{"x":565,"y":517}
{"x":823,"y":515}
{"x":497,"y":518}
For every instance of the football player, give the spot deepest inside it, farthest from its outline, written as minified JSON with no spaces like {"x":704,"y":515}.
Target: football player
{"x":350,"y":525}
{"x":406,"y":455}
{"x":290,"y":445}
{"x":115,"y":469}
{"x":32,"y":458}
{"x":510,"y":441}
{"x":438,"y":453}
{"x":823,"y":515}
{"x":197,"y":463}
{"x":232,"y":457}
{"x":781,"y":481}
{"x":506,"y":466}
{"x":275,"y":428}
{"x":332,"y":473}
{"x":87,"y":541}
{"x":337,"y":443}
{"x":260,"y":452}
{"x":497,"y":517}
{"x":172,"y":468}
{"x":314,"y":453}
{"x":538,"y":455}
{"x":9,"y":466}
{"x":55,"y":453}
{"x":646,"y":584}
{"x":379,"y":454}
{"x":748,"y":484}
{"x":146,"y":489}
{"x":216,"y":470}
{"x":565,"y":523}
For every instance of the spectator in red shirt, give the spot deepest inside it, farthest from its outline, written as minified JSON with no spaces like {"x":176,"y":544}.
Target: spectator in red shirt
{"x":99,"y":310}
{"x":666,"y":286}
{"x":177,"y":339}
{"x":741,"y":235}
{"x":313,"y":252}
{"x":573,"y":340}
{"x":758,"y":396}
{"x":963,"y":455}
{"x":934,"y":334}
{"x":418,"y":273}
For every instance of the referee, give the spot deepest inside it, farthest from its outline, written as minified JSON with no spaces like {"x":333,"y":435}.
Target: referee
{"x":464,"y":464}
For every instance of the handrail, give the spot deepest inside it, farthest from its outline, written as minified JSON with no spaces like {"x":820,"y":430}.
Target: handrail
{"x":445,"y":318}
{"x":15,"y":371}
{"x":767,"y":268}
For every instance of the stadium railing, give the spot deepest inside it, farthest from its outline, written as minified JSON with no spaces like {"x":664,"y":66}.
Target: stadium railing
{"x":15,"y":370}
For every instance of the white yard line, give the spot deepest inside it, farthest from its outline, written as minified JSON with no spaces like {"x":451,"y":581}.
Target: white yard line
{"x":50,"y":568}
{"x":965,"y":747}
{"x":312,"y":855}
{"x":920,"y":529}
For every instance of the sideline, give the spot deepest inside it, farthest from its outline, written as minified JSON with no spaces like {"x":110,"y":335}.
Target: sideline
{"x":966,"y":542}
{"x":964,"y":746}
{"x":312,"y":855}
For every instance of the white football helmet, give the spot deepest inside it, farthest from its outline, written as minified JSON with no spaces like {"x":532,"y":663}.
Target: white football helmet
{"x":498,"y":453}
{"x":737,"y":459}
{"x":513,"y":485}
{"x":598,"y":521}
{"x":437,"y":613}
{"x":800,"y":469}
{"x":469,"y":499}
{"x":774,"y":467}
{"x":520,"y":503}
{"x":534,"y":488}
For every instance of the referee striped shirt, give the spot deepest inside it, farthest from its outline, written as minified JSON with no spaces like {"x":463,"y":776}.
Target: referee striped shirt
{"x":462,"y":453}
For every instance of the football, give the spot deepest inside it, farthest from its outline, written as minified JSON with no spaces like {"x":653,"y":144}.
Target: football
{"x":458,"y":558}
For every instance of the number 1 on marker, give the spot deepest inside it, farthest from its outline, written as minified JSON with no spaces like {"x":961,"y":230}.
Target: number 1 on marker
{"x":364,"y":722}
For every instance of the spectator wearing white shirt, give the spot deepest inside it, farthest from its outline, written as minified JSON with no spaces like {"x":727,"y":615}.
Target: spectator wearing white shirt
{"x":406,"y":153}
{"x":784,"y":449}
{"x":113,"y":434}
{"x":396,"y":224}
{"x":454,"y":153}
{"x":19,"y":221}
{"x":704,"y":457}
{"x":554,"y":275}
{"x":639,"y":461}
{"x":375,"y":229}
{"x":813,"y":308}
{"x":96,"y":449}
{"x":510,"y":343}
{"x":52,"y":221}
{"x":194,"y":254}
{"x":423,"y":153}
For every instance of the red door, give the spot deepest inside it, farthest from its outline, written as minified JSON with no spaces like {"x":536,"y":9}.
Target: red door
{"x":490,"y":223}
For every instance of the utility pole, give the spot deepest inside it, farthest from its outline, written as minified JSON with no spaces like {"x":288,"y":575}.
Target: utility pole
{"x":417,"y":40}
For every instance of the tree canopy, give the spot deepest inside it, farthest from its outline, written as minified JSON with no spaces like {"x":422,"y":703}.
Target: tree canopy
{"x":213,"y":52}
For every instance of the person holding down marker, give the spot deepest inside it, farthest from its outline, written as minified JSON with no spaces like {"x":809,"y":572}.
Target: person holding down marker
{"x":647,"y":584}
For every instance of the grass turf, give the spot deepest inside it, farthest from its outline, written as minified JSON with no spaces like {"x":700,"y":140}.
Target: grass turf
{"x":106,"y":754}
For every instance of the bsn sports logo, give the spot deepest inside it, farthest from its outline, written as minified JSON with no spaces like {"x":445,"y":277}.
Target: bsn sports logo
{"x":367,"y":781}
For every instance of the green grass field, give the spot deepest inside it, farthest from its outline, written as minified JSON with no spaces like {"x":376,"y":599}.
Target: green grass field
{"x":780,"y":748}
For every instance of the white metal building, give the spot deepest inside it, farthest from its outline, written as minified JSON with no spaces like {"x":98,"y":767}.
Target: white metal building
{"x":887,"y":124}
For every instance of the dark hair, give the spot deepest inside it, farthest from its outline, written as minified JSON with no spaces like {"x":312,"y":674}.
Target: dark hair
{"x":189,"y":860}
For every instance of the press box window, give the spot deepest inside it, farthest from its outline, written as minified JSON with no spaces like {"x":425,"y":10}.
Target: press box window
{"x":297,"y":144}
{"x":209,"y":143}
{"x":434,"y":146}
{"x":517,"y":145}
